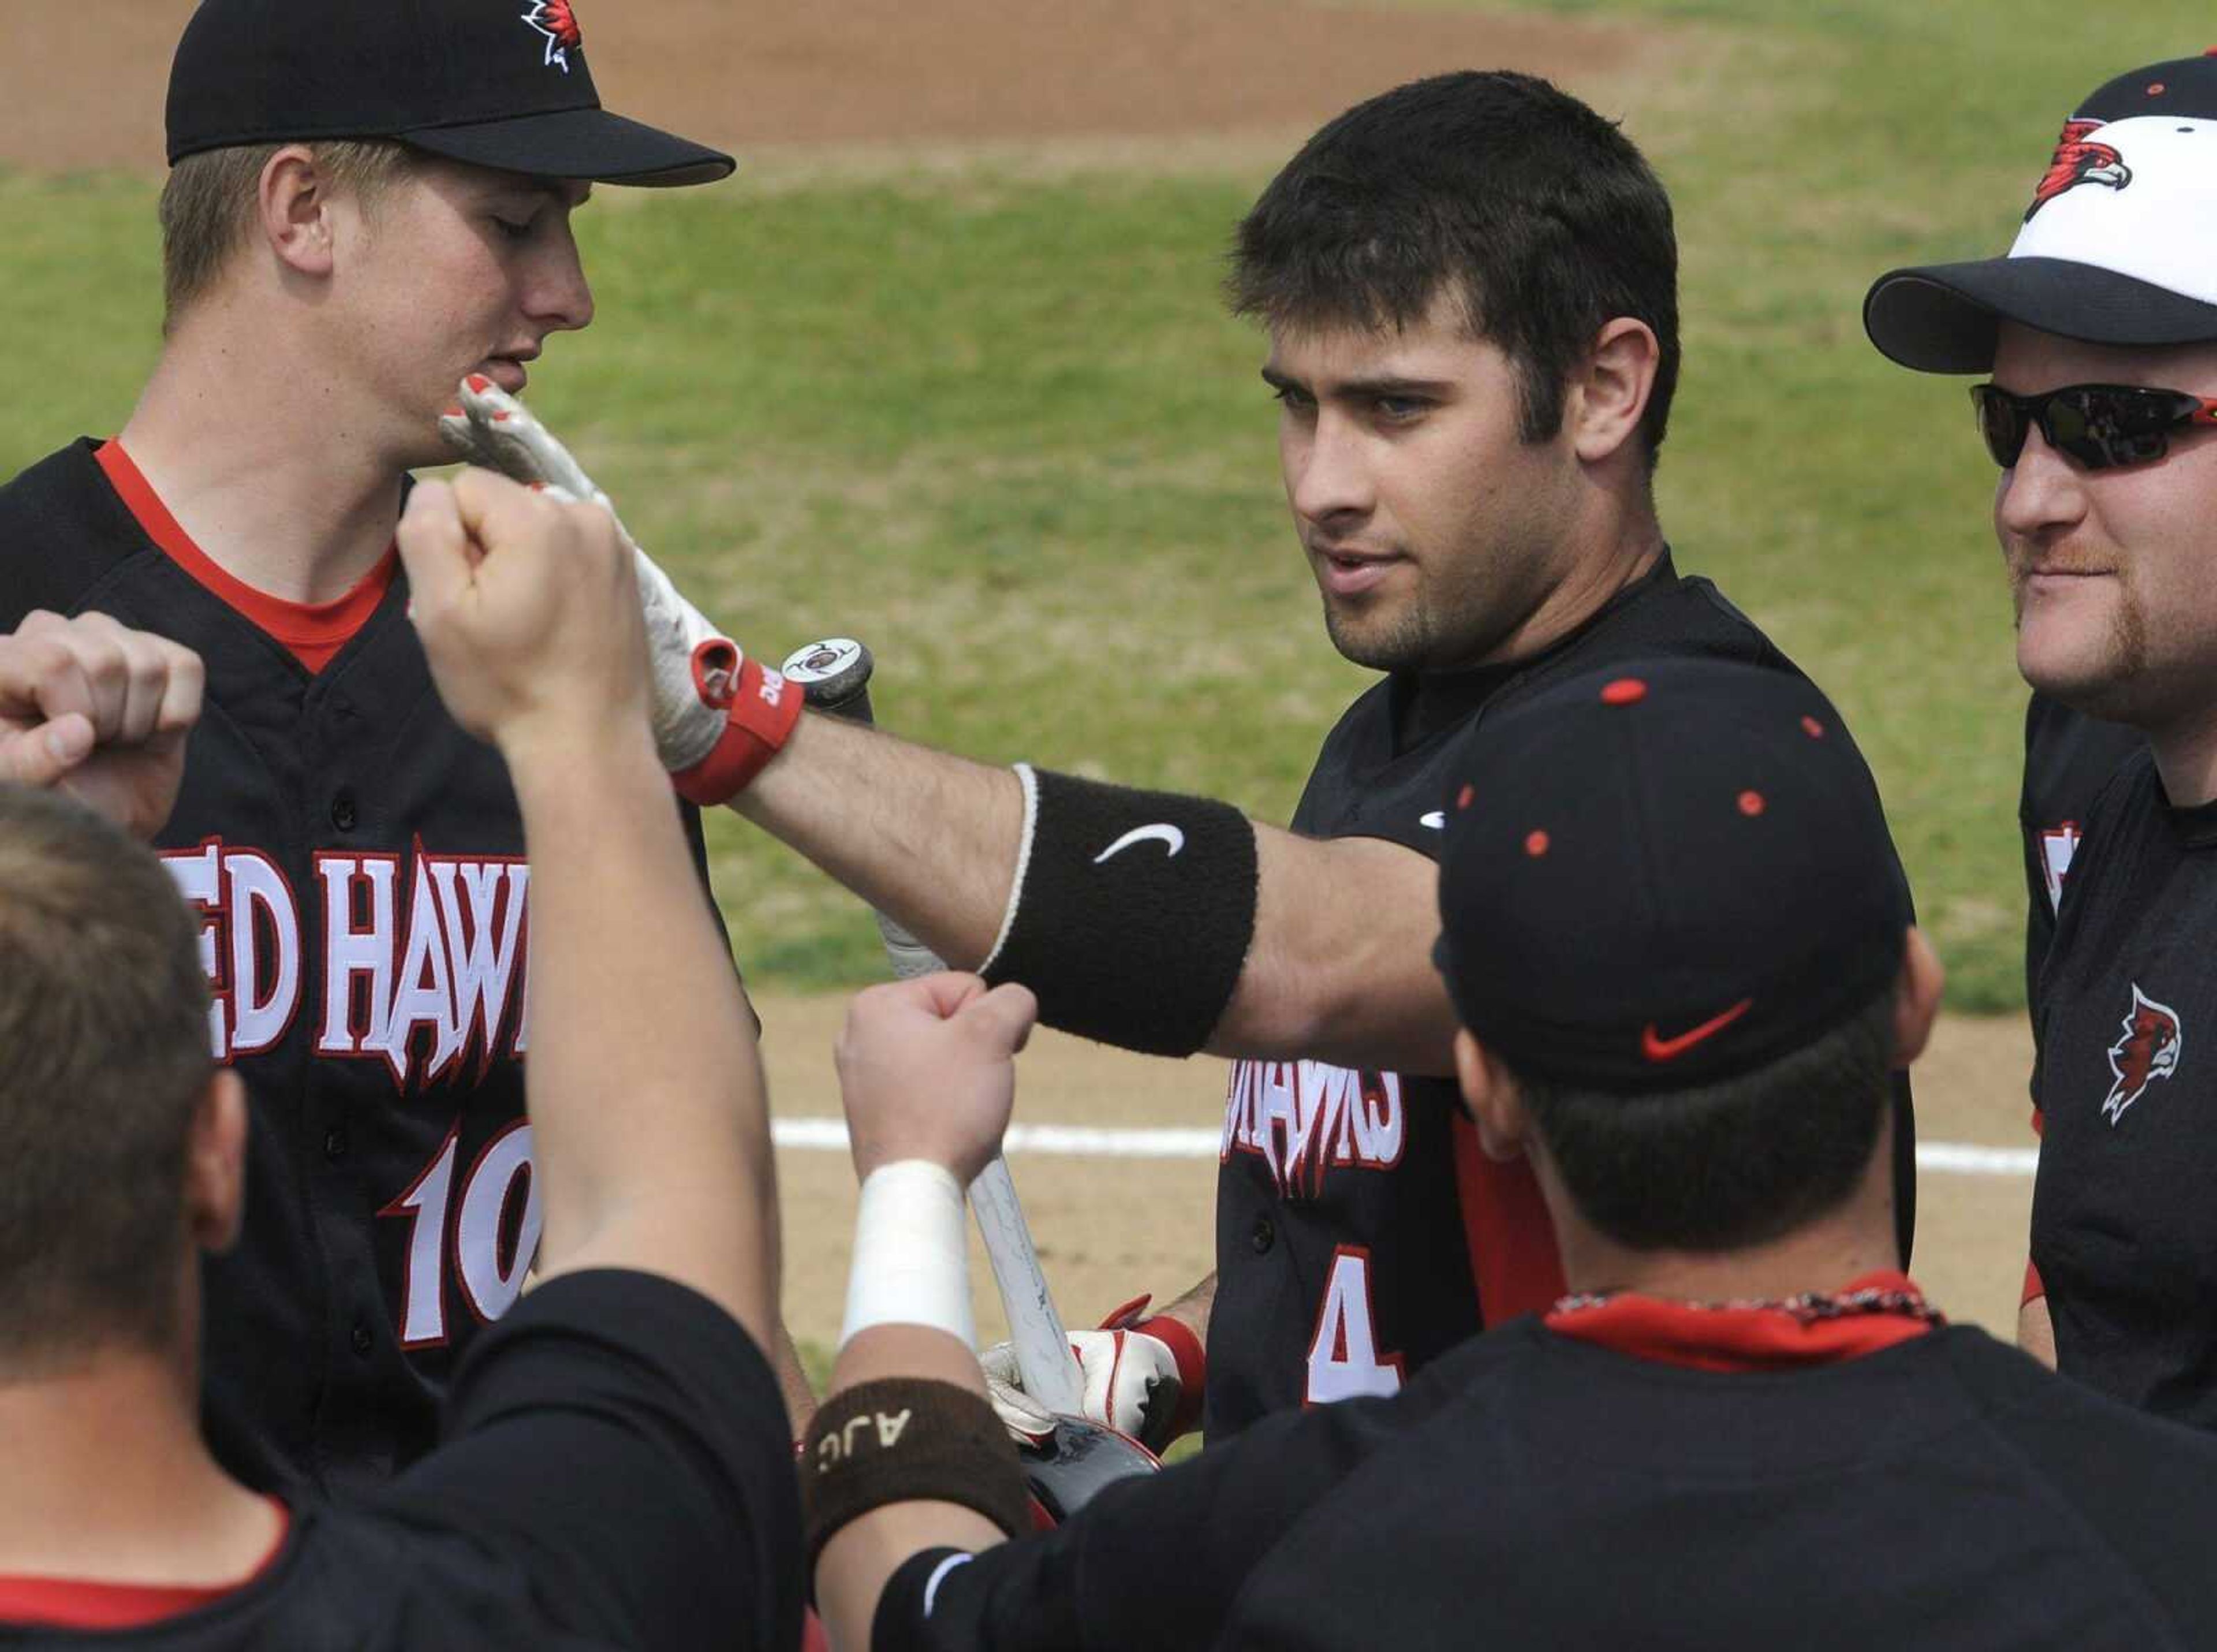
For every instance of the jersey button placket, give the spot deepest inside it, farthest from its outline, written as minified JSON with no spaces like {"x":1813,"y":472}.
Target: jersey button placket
{"x":1264,"y":1236}
{"x":344,"y":815}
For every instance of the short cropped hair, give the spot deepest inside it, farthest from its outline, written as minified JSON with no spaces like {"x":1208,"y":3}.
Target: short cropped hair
{"x":1533,"y":214}
{"x":210,"y":201}
{"x":1729,"y":1165}
{"x":104,"y":1054}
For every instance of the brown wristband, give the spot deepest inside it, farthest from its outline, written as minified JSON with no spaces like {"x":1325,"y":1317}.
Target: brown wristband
{"x":905,"y":1439}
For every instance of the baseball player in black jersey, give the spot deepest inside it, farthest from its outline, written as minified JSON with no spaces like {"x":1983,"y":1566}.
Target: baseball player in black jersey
{"x":355,"y":857}
{"x":1747,"y":1428}
{"x":615,"y":1467}
{"x":1467,"y":439}
{"x":2099,"y":330}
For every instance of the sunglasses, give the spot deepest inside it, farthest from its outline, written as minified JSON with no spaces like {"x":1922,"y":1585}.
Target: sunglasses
{"x":2096,"y":426}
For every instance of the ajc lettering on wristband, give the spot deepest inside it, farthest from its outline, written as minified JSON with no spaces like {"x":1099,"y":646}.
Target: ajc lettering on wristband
{"x":911,"y":1258}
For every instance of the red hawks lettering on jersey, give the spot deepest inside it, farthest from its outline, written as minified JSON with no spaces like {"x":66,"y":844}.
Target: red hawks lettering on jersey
{"x":1303,"y":1117}
{"x":422,"y":990}
{"x":249,"y":944}
{"x":422,"y":964}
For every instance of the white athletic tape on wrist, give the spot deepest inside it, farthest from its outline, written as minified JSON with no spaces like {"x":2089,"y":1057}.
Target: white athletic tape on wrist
{"x":911,"y":1262}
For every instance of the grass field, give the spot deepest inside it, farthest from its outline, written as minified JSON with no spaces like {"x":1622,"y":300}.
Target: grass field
{"x":994,"y":421}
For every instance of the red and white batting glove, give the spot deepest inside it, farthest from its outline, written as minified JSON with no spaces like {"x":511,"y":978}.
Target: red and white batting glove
{"x":1143,"y":1377}
{"x":718,"y":716}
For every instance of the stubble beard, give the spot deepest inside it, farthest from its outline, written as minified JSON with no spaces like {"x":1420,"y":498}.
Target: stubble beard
{"x":2114,"y":684}
{"x":1382,"y":642}
{"x":1437,"y":627}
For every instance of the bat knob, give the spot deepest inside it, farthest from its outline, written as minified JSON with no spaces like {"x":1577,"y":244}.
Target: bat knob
{"x":834,"y":675}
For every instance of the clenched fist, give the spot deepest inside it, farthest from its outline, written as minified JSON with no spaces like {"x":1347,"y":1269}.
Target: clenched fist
{"x":927,"y":1070}
{"x":94,"y":709}
{"x":528,"y":610}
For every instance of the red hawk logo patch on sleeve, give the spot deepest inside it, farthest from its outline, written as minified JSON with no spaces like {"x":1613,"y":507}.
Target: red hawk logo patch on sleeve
{"x":558,"y":21}
{"x":2079,"y":160}
{"x":2149,"y":1051}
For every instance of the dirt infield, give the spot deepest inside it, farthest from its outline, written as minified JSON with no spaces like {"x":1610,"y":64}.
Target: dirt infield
{"x":81,"y":84}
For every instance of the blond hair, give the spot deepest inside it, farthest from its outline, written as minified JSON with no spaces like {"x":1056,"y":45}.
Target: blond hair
{"x":209,"y":204}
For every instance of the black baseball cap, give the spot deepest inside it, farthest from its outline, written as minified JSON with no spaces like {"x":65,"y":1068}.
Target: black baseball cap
{"x":1665,"y":875}
{"x":500,"y":84}
{"x":2119,"y":245}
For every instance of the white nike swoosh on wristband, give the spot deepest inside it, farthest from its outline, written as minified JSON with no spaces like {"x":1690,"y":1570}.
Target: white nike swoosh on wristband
{"x":1162,"y":833}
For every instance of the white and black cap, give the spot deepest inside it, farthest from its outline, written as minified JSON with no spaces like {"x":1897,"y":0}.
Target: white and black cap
{"x":2119,"y":244}
{"x":501,"y":83}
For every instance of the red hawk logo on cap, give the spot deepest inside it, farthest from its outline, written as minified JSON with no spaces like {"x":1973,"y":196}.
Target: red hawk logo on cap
{"x":2148,"y":1051}
{"x":2079,"y":160}
{"x":558,"y":21}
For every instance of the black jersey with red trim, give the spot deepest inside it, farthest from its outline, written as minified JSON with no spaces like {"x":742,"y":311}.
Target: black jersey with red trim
{"x":616,"y":1471}
{"x":357,"y":862}
{"x":1359,"y":1231}
{"x":1538,"y":1489}
{"x":2068,"y":758}
{"x":2124,"y":1222}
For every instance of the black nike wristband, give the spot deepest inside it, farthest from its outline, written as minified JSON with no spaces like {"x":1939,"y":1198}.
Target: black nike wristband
{"x":1132,"y":913}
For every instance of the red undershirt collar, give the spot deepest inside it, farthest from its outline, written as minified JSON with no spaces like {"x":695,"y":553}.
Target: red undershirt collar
{"x":1750,"y":1336}
{"x":73,"y":1603}
{"x":311,"y":632}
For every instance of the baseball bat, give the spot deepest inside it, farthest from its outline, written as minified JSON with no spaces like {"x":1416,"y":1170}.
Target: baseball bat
{"x":834,"y":678}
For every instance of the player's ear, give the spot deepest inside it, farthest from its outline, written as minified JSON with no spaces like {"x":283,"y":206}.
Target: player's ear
{"x":294,"y":205}
{"x":1490,"y":1093}
{"x":215,"y":1163}
{"x":1916,"y":998}
{"x":1609,"y":397}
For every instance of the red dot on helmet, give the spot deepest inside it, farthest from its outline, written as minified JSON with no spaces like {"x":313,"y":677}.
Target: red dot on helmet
{"x":1463,"y":797}
{"x":2155,"y":89}
{"x":1625,"y":691}
{"x":1535,"y":844}
{"x":1812,"y":728}
{"x":1751,"y":803}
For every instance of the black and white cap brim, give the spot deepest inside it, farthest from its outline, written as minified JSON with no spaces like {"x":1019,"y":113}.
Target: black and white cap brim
{"x":1947,"y":318}
{"x":2125,"y":256}
{"x":587,"y":144}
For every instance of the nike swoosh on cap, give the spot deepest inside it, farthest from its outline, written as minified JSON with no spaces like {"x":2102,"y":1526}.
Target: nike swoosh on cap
{"x":1656,"y":1048}
{"x":1162,"y":833}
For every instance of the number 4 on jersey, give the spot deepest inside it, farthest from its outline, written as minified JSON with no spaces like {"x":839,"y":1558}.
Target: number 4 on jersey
{"x":1344,"y":1357}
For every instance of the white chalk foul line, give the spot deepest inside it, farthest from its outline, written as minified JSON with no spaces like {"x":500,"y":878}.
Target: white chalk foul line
{"x":1961,"y":1158}
{"x":1092,"y":1142}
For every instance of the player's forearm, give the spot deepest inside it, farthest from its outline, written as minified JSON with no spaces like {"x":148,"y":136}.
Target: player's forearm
{"x":855,"y":1564}
{"x":645,"y":1091}
{"x":1192,"y":1309}
{"x":1337,"y":966}
{"x":928,"y":839}
{"x":1340,"y":969}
